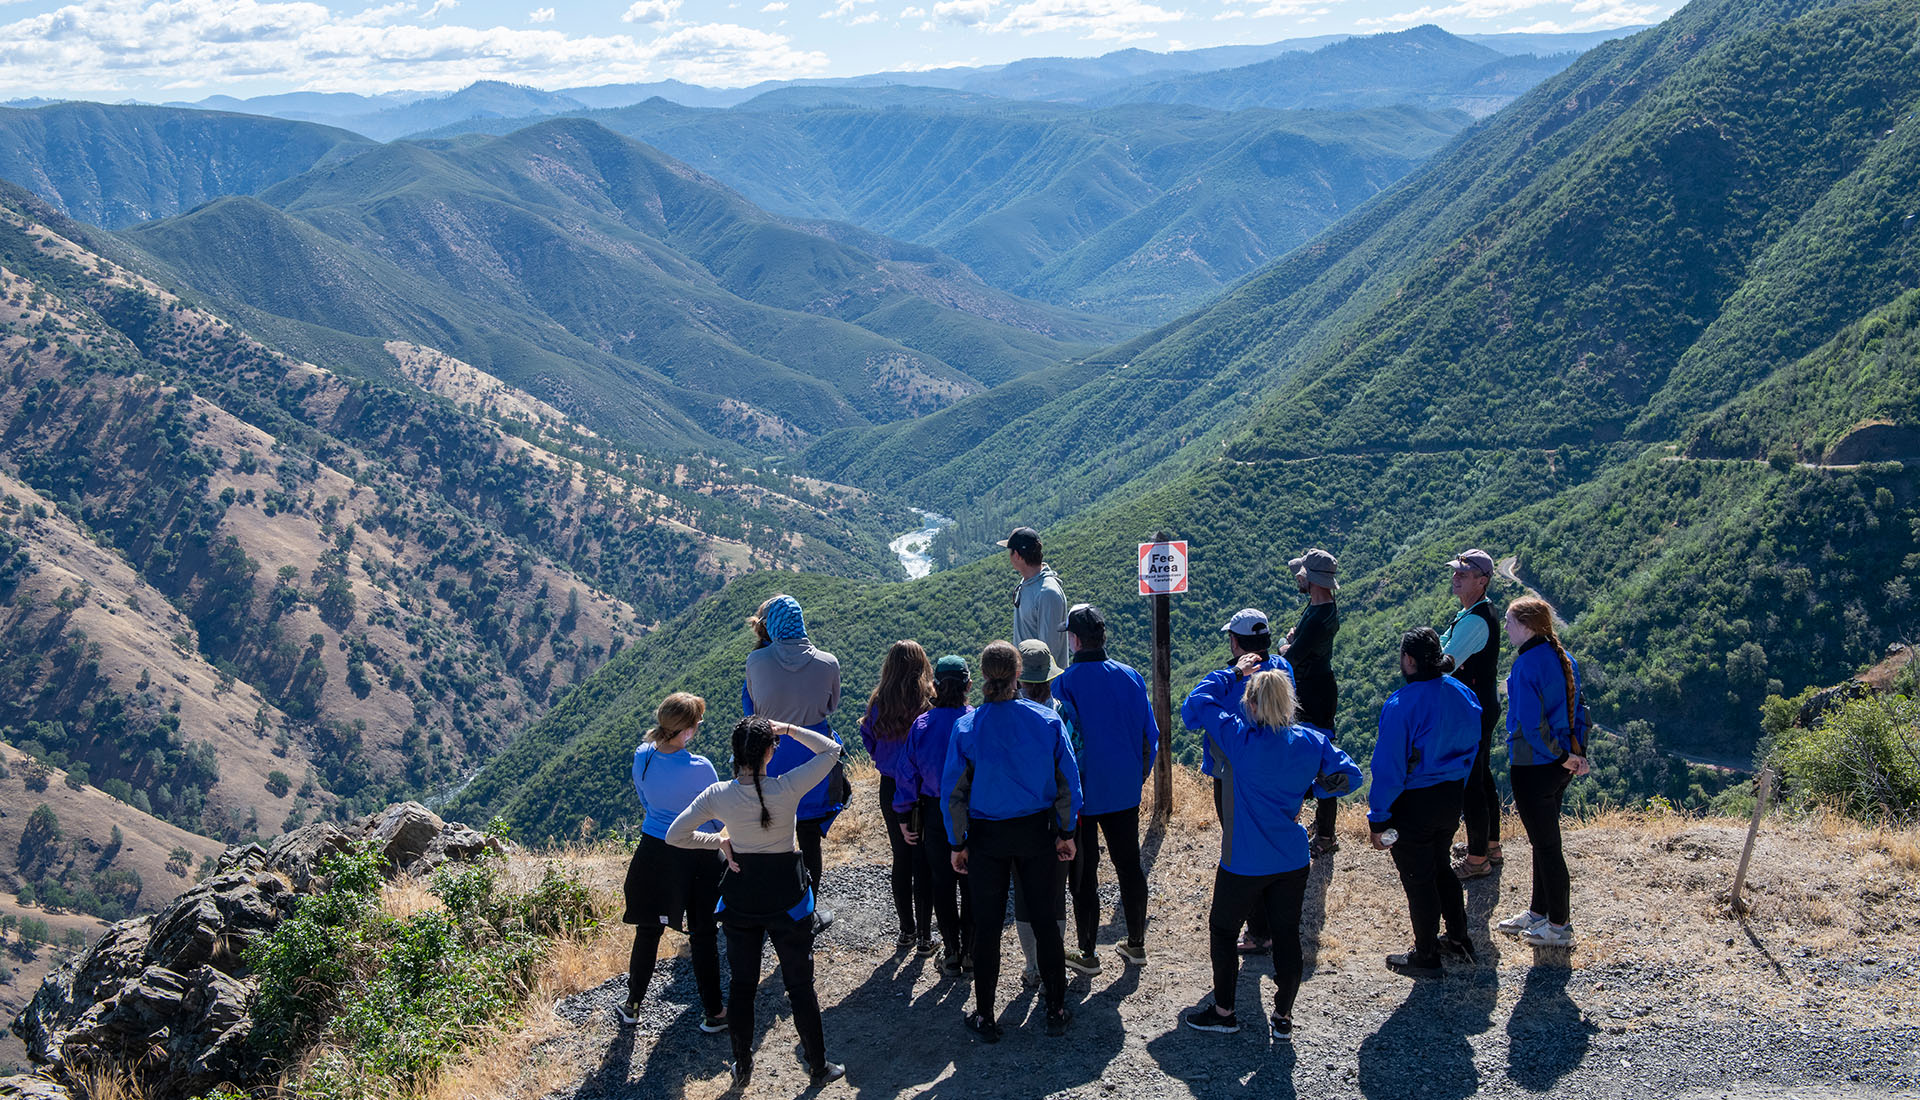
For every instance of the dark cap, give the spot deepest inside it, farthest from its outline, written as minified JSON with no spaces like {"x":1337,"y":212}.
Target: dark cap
{"x":1085,"y":621}
{"x":1022,"y":540}
{"x":1473,"y":561}
{"x":951,"y":667}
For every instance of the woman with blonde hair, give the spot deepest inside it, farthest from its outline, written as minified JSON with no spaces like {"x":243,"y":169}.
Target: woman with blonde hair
{"x":1546,"y":748}
{"x":670,"y":887}
{"x":904,"y":693}
{"x":1267,"y":765}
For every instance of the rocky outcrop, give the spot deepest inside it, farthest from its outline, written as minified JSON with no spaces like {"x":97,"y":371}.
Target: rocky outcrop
{"x":165,"y":997}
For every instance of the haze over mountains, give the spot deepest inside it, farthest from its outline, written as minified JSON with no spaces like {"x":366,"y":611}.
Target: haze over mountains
{"x":393,"y":462}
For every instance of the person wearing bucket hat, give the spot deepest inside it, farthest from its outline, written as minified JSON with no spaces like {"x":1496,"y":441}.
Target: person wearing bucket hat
{"x":917,"y":799}
{"x":789,"y":679}
{"x":1309,"y":646}
{"x":1248,"y":632}
{"x":1037,"y":673}
{"x":1106,"y":703}
{"x":1472,"y":639}
{"x":1039,"y":602}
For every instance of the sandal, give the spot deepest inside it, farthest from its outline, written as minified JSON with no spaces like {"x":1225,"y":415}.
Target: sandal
{"x":1467,"y":868}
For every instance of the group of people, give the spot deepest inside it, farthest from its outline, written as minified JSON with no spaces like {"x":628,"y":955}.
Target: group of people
{"x":1018,"y":793}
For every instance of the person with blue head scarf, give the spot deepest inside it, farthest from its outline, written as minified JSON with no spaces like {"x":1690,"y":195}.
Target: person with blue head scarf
{"x":788,"y":679}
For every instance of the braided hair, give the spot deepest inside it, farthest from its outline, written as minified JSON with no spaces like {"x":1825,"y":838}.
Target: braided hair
{"x":1536,"y":615}
{"x":752,"y":737}
{"x":1422,"y":644}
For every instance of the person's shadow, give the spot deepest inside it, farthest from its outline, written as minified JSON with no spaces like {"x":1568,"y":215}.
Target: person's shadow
{"x":1421,"y":1051}
{"x":1546,"y":1036}
{"x":1247,"y":1062}
{"x":1313,"y":914}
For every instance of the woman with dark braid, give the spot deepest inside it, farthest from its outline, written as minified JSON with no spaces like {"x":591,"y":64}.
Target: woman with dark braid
{"x":1546,"y":749}
{"x":667,"y":886}
{"x":765,"y":893}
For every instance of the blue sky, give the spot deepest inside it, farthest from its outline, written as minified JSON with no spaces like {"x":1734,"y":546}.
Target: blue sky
{"x":185,"y":49}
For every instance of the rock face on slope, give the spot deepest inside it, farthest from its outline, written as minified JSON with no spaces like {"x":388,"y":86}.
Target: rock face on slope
{"x":164,"y":997}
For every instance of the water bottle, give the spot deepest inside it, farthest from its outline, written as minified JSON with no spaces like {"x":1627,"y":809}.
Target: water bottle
{"x":1387,"y":838}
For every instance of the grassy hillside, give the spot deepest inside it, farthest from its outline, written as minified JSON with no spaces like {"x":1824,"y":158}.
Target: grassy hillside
{"x":118,"y":165}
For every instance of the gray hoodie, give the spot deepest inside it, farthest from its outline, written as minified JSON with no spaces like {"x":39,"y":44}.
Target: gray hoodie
{"x":791,"y":681}
{"x":1040,"y":611}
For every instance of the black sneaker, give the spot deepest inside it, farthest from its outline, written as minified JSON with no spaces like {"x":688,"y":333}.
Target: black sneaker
{"x":905,"y":940}
{"x":1459,"y":948}
{"x":629,"y":1013}
{"x":714,"y":1025}
{"x":742,"y":1071}
{"x":1057,"y":1021}
{"x":1280,"y":1028}
{"x":1414,"y":964}
{"x":952,"y":963}
{"x":925,"y":949}
{"x":822,"y":920}
{"x":1208,"y":1018}
{"x":983,"y":1026}
{"x":828,"y":1072}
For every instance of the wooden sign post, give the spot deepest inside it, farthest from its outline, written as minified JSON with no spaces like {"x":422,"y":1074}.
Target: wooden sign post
{"x":1762,"y":796}
{"x":1163,"y":572}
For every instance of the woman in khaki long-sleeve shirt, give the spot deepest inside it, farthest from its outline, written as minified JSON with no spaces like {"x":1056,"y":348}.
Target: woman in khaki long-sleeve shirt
{"x":766,"y":894}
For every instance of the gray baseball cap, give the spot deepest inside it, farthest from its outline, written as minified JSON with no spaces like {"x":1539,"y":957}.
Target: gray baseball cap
{"x":1250,"y":621}
{"x":1473,"y":561}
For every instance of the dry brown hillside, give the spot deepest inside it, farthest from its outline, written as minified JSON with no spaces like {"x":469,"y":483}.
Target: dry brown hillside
{"x":1665,"y":995}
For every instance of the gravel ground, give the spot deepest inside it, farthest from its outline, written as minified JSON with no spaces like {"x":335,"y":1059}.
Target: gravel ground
{"x":1520,"y":1023}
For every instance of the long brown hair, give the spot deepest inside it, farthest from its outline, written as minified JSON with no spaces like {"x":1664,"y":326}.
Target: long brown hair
{"x":680,"y":711}
{"x":904,"y":692}
{"x":1000,"y":667}
{"x":1536,"y":615}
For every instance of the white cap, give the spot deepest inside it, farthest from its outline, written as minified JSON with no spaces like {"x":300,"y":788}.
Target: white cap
{"x":1247,"y":620}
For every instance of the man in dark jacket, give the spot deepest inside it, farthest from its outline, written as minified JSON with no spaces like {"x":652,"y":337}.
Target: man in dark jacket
{"x":1472,"y":639}
{"x":1309,"y":647}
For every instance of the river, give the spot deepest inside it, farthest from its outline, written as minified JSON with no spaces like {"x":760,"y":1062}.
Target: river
{"x":911,"y":548}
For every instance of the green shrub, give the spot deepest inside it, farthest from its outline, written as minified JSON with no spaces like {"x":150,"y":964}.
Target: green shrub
{"x":1863,"y":756}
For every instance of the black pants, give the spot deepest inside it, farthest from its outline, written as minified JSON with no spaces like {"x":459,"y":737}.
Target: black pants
{"x":1257,"y":914}
{"x":703,"y":939}
{"x":997,"y":851}
{"x":1482,"y":808}
{"x":1122,"y":830}
{"x":947,"y":891}
{"x":912,"y":896}
{"x":1426,"y":818}
{"x":1326,"y":811}
{"x":1234,"y":897}
{"x":811,"y":834}
{"x":793,"y":945}
{"x":1537,"y":793}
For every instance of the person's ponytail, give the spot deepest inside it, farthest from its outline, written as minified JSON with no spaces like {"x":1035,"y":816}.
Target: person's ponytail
{"x":766,"y":815}
{"x":1000,"y":668}
{"x":752,"y":737}
{"x":1536,"y":615}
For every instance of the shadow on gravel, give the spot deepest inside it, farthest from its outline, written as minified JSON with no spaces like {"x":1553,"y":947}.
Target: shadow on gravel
{"x":1313,"y":914}
{"x":1546,"y":1037}
{"x":1248,"y":1062}
{"x":1483,"y":897}
{"x":1422,"y":1049}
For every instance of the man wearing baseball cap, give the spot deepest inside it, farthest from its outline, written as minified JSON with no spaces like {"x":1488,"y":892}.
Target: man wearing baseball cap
{"x":1106,"y":702}
{"x":1309,"y":647}
{"x":1472,"y":639}
{"x":1039,"y":602}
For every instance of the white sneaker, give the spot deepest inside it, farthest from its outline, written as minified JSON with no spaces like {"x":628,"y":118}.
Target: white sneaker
{"x":1520,"y":923}
{"x":1548,"y":934}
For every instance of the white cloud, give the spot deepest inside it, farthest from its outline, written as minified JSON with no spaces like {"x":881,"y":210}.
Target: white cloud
{"x":843,"y":8}
{"x":1123,"y":20}
{"x":540,"y":15}
{"x":913,"y":13}
{"x":776,"y":5}
{"x":112,"y":48}
{"x":858,"y":20}
{"x":438,"y":7}
{"x":650,"y":11}
{"x":967,"y":13}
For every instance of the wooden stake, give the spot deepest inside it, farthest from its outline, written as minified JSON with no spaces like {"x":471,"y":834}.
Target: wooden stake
{"x":1739,"y":904}
{"x":1163,"y":699}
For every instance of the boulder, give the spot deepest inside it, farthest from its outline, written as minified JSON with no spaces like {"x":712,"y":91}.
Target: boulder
{"x":32,"y":1086}
{"x":75,"y":986}
{"x":213,"y":922}
{"x":179,"y":1034}
{"x":402,"y":833}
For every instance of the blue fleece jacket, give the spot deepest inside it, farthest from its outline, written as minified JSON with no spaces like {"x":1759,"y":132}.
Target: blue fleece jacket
{"x":1008,"y":760}
{"x":790,"y":754}
{"x":668,"y":782}
{"x":1107,"y":703}
{"x":1265,"y":774}
{"x":1537,"y":728}
{"x":1235,"y":686}
{"x":884,"y":751}
{"x":925,"y":758}
{"x":1429,"y":734}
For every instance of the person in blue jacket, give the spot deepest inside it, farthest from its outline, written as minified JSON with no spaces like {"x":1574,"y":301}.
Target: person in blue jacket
{"x":1429,"y":736}
{"x":916,"y":802}
{"x":1011,"y":791}
{"x":668,"y":887}
{"x":1267,"y":766}
{"x":903,"y":694}
{"x":1247,"y":632}
{"x":1107,"y":703}
{"x":1546,"y":750}
{"x":789,"y":679}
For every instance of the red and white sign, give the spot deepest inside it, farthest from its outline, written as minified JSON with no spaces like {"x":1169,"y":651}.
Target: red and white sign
{"x":1163,"y":568}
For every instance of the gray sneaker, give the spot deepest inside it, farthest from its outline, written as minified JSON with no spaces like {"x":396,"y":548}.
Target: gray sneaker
{"x":1548,"y":934}
{"x":1083,"y":962}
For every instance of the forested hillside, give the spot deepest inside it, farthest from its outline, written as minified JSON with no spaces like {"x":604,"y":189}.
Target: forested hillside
{"x":1536,"y":344}
{"x":240,"y":590}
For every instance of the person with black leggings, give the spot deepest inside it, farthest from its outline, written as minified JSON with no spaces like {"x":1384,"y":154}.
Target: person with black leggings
{"x":1429,"y":736}
{"x":1309,"y":646}
{"x":1546,"y":750}
{"x":1107,"y":703}
{"x":916,"y":805}
{"x":1011,"y":790}
{"x":902,"y":695}
{"x":669,"y":887}
{"x":1266,"y":765}
{"x":765,"y":893}
{"x":1472,"y":639}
